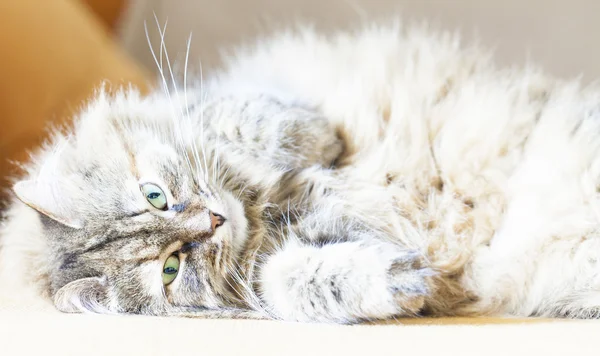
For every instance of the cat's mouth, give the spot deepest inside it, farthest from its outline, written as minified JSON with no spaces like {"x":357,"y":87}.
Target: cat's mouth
{"x":235,"y":224}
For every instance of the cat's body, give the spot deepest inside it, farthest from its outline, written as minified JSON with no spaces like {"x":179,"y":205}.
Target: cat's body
{"x":363,"y":176}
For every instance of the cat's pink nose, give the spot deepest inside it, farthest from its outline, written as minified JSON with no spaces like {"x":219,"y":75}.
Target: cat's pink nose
{"x":216,"y":220}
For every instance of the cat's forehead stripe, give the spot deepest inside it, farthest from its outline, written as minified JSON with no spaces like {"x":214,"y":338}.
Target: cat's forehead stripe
{"x":127,"y":147}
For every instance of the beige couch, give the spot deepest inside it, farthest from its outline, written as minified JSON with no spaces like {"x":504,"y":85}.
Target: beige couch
{"x":557,"y":34}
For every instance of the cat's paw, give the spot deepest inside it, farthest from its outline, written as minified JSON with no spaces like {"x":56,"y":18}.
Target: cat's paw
{"x":394,"y":282}
{"x":313,"y":139}
{"x":409,"y":281}
{"x":344,"y":282}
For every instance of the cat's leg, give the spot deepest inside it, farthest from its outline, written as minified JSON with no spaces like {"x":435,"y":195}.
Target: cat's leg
{"x":343,"y":282}
{"x":264,"y":130}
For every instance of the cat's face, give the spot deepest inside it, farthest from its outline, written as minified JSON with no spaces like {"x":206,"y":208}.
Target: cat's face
{"x":133,"y":225}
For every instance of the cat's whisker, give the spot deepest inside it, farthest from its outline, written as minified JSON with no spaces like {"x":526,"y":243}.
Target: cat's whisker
{"x":202,"y":120}
{"x":177,"y":123}
{"x":159,"y":64}
{"x":160,"y":54}
{"x":248,"y":295}
{"x":223,"y":178}
{"x":216,"y":166}
{"x":242,"y":191}
{"x":163,"y":49}
{"x":216,"y":159}
{"x":287,"y":215}
{"x":178,"y":131}
{"x":192,"y":138}
{"x":234,"y":288}
{"x":233,"y":272}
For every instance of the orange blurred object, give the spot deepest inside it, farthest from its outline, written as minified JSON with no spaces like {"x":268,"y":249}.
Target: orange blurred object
{"x":54,"y":54}
{"x":108,"y":11}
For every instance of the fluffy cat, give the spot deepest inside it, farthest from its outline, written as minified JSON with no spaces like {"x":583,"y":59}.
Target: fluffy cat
{"x":387,"y":172}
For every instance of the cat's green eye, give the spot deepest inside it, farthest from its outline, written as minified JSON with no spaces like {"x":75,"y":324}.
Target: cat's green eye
{"x":170,"y":269}
{"x":155,"y":196}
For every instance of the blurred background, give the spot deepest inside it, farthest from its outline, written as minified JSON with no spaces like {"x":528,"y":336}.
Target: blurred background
{"x":560,"y":35}
{"x":55,"y":53}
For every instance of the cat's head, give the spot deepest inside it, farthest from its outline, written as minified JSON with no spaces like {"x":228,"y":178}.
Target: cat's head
{"x":133,"y":221}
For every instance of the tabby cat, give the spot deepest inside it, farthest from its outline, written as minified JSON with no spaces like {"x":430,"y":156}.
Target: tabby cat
{"x":358,"y":176}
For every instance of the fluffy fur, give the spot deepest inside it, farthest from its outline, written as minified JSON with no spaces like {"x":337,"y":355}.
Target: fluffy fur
{"x":363,"y":176}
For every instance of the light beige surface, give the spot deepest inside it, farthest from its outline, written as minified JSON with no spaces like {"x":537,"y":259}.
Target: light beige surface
{"x":38,"y":329}
{"x":41,"y":333}
{"x":561,"y":35}
{"x":29,"y":334}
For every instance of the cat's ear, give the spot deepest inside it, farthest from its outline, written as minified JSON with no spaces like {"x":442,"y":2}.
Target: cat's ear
{"x":42,"y":199}
{"x":83,"y":295}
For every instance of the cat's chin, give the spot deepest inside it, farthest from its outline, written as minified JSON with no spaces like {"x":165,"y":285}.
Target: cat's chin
{"x":237,"y":224}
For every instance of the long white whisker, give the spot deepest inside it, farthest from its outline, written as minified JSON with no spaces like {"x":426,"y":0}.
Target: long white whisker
{"x":222,"y":181}
{"x":205,"y":171}
{"x":202,"y":121}
{"x":216,"y":166}
{"x":176,"y":122}
{"x":248,"y":295}
{"x":164,"y":49}
{"x":193,"y":139}
{"x":242,"y":191}
{"x":160,"y":53}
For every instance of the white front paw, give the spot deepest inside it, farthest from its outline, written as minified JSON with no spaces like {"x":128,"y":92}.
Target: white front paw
{"x":409,"y":282}
{"x":344,"y":282}
{"x":394,"y":282}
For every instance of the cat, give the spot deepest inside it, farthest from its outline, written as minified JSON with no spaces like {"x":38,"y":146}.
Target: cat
{"x":389,"y":172}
